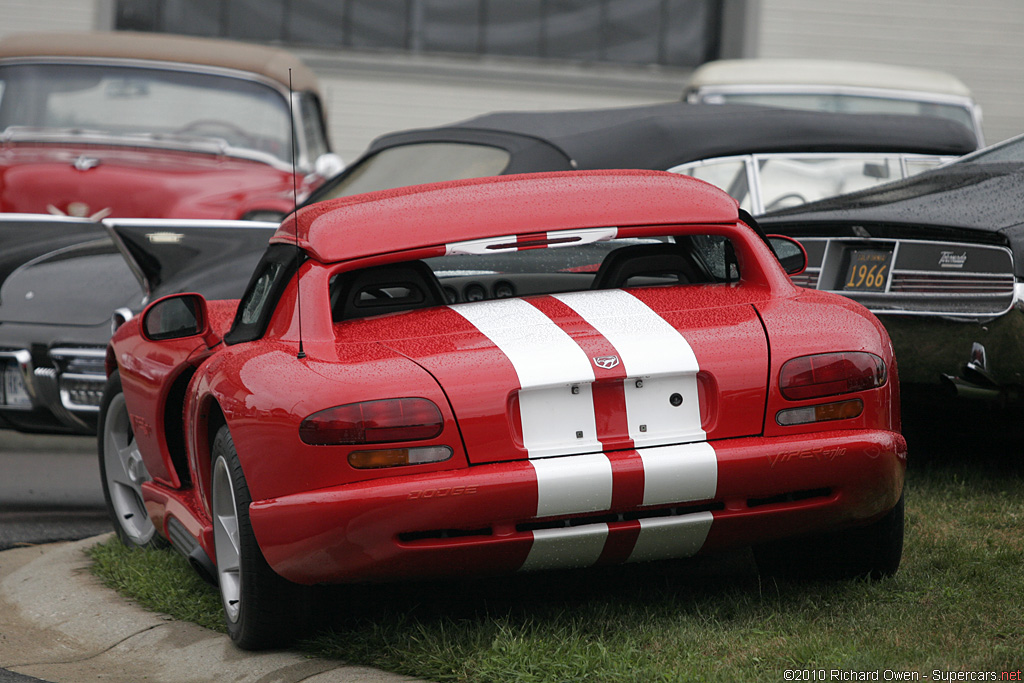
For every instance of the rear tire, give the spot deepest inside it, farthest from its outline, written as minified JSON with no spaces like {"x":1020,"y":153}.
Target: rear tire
{"x":873,"y":551}
{"x":261,"y":608}
{"x":122,"y":471}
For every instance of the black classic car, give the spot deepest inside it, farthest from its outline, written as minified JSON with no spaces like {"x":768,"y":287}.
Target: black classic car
{"x":65,"y":284}
{"x":940,"y":259}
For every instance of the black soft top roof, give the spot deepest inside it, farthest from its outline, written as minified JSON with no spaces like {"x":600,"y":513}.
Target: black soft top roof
{"x":661,"y":136}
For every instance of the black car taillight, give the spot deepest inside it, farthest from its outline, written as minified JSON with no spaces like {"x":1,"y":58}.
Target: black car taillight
{"x":386,"y":421}
{"x":830,"y":374}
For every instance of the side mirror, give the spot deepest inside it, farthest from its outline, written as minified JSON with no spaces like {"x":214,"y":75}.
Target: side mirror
{"x":175,"y":317}
{"x":791,"y":254}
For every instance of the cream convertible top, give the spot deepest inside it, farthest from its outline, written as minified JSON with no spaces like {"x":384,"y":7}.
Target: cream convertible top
{"x":266,"y":61}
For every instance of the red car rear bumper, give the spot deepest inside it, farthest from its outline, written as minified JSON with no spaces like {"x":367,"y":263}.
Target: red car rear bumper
{"x":585,"y":510}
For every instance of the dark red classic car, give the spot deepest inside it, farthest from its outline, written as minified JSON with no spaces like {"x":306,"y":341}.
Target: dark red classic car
{"x":153,"y":126}
{"x":504,"y":374}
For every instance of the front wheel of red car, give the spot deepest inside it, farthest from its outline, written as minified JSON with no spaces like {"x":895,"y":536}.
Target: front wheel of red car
{"x":122,"y":471}
{"x":874,"y":551}
{"x":261,"y":608}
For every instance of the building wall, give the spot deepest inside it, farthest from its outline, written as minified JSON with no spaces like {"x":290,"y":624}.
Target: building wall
{"x":371,"y":93}
{"x":979,"y":42}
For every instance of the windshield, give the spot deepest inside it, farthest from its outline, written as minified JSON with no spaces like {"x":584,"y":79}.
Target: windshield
{"x":416,"y":164}
{"x":853,"y":104}
{"x":785,"y":180}
{"x":126,"y":104}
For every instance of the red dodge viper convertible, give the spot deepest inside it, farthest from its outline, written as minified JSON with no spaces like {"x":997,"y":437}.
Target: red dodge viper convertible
{"x":504,"y":374}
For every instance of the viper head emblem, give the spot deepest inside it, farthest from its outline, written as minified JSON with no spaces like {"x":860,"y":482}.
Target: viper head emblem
{"x":606,"y":362}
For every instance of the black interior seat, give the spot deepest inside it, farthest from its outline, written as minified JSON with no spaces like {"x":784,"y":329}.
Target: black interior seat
{"x":670,"y":262}
{"x":389,"y":288}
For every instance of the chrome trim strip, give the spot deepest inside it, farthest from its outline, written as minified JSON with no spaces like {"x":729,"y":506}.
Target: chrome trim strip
{"x":953,"y":274}
{"x":84,"y":352}
{"x":81,"y":377}
{"x":42,"y":218}
{"x":52,"y":399}
{"x":892,"y":270}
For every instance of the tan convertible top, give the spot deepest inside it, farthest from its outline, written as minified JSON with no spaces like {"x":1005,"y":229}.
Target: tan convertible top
{"x":826,"y":73}
{"x":270,"y":62}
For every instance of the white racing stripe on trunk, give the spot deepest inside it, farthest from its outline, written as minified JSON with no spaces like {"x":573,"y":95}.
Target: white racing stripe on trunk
{"x":679,"y":474}
{"x":573,"y":485}
{"x":663,"y":538}
{"x":541,"y":352}
{"x":566,"y":548}
{"x":654,"y":352}
{"x":548,"y":363}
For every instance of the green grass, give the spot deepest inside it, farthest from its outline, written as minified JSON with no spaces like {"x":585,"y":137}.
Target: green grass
{"x":957,"y":603}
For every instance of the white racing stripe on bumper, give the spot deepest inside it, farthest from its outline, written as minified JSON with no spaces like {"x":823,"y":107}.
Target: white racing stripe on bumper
{"x":581,"y":484}
{"x":548,"y":363}
{"x":567,"y":548}
{"x":653,"y":351}
{"x":665,"y":538}
{"x":679,"y":474}
{"x":573,"y":485}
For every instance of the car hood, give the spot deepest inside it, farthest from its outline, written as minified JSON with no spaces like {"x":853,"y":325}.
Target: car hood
{"x":79,"y":285}
{"x":977,"y":196}
{"x":587,"y":372}
{"x":93,"y":181}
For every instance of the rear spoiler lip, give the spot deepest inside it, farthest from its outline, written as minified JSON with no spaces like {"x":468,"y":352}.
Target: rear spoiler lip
{"x":150,"y":281}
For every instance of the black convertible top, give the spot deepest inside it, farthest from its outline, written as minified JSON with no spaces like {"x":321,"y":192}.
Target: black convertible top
{"x":663,"y":135}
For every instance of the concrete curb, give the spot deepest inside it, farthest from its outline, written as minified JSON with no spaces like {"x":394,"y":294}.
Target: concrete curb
{"x":59,"y":623}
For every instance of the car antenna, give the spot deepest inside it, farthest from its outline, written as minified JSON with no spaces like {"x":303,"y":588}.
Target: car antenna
{"x":295,"y":208}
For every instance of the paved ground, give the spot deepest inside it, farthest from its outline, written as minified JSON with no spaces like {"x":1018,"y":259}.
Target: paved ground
{"x":57,"y":623}
{"x":50,"y":489}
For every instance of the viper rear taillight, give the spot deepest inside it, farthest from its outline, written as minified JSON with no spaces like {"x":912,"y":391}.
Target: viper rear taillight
{"x":830,"y":374}
{"x":388,"y":421}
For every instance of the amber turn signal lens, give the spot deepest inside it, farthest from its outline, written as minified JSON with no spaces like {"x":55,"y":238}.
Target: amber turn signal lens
{"x":842,"y":410}
{"x":395,"y":457}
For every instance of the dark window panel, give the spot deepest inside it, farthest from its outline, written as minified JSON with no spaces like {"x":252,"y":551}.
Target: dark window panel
{"x":671,"y":32}
{"x":318,"y":22}
{"x":692,"y":32}
{"x":379,"y":24}
{"x":572,"y":30}
{"x":512,"y":28}
{"x":450,"y":26}
{"x":193,"y":17}
{"x":256,"y":20}
{"x":631,"y":31}
{"x":137,"y":15}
